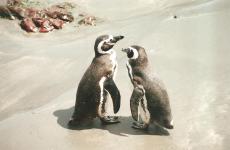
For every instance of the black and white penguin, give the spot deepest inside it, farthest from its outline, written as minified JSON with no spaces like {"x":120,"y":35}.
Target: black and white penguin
{"x":97,"y":82}
{"x":149,"y":99}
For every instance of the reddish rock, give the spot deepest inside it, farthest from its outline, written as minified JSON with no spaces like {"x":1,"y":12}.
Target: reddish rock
{"x":46,"y":26}
{"x":57,"y":23}
{"x":28,"y":25}
{"x":38,"y":21}
{"x":45,"y":19}
{"x":63,"y":16}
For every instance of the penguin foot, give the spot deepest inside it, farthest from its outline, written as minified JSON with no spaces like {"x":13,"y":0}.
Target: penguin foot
{"x":110,"y":120}
{"x":73,"y":122}
{"x":138,"y":125}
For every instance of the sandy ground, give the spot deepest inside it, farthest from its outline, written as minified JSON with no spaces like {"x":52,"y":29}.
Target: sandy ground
{"x":39,"y":74}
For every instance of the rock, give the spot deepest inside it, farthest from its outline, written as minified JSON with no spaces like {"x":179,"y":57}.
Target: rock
{"x":38,"y":21}
{"x":57,"y":23}
{"x":33,"y":19}
{"x":32,"y":12}
{"x":66,"y":17}
{"x":46,"y":26}
{"x":28,"y":25}
{"x":88,"y":20}
{"x":63,"y":16}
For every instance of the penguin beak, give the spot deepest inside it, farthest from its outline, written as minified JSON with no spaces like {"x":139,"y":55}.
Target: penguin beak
{"x":117,"y":38}
{"x":126,"y":50}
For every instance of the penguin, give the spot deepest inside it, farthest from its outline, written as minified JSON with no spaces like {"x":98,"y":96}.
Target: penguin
{"x":97,"y":83}
{"x":149,"y":102}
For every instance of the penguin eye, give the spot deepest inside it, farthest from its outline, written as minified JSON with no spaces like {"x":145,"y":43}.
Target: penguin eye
{"x":130,"y":54}
{"x":111,"y":40}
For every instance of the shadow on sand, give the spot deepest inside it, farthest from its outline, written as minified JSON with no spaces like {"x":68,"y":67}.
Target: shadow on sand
{"x":121,"y":129}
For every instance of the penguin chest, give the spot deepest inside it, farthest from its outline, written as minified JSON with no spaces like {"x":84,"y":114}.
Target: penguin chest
{"x":113,"y":63}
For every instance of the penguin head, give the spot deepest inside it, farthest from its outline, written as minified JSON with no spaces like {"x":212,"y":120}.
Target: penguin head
{"x":136,"y":54}
{"x":105,"y":43}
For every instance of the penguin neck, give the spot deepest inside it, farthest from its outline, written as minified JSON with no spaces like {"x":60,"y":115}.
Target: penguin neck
{"x":109,"y":52}
{"x":140,"y":62}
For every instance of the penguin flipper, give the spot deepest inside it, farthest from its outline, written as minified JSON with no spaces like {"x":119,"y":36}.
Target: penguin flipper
{"x":136,"y":96}
{"x":111,"y":87}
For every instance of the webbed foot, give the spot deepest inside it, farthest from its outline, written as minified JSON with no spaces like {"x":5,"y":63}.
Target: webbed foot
{"x":138,"y":125}
{"x":110,"y":120}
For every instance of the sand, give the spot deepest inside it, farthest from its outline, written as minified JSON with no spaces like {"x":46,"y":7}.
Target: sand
{"x":39,"y":74}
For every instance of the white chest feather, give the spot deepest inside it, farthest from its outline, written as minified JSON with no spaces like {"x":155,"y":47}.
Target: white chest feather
{"x":130,"y":70}
{"x":101,"y":83}
{"x":113,"y":62}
